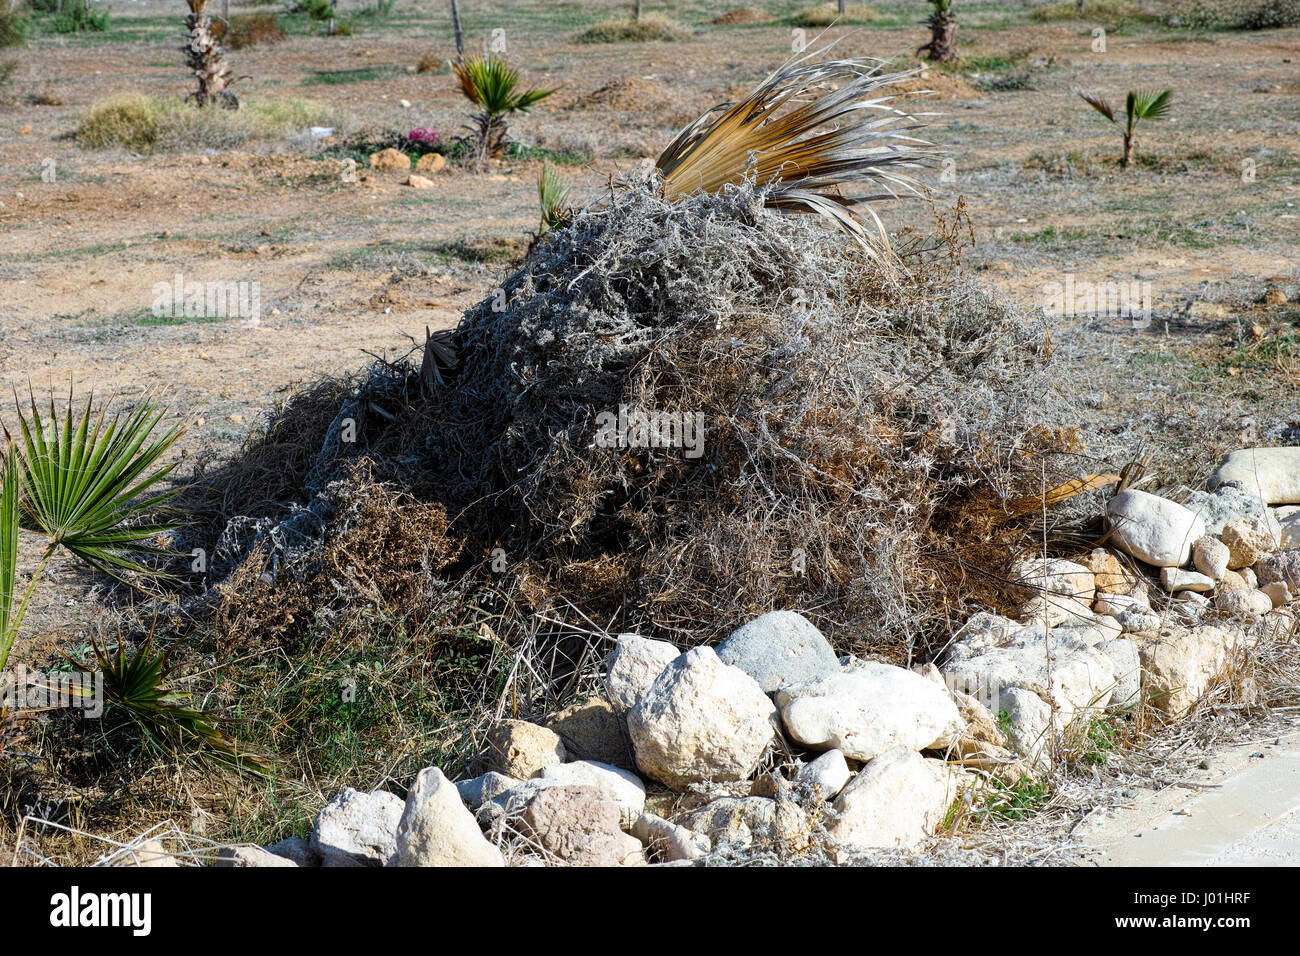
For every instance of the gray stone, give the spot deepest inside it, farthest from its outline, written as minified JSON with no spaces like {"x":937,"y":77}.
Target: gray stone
{"x":827,"y":775}
{"x":632,"y":667}
{"x":357,"y":829}
{"x":1225,"y":505}
{"x":245,"y":856}
{"x":779,"y":648}
{"x":479,"y":790}
{"x":580,"y":826}
{"x":297,"y":850}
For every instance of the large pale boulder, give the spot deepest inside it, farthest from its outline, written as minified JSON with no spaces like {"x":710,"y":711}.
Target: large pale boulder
{"x":898,"y":800}
{"x":1182,"y":662}
{"x":632,"y":667}
{"x":1153,"y":529}
{"x":1017,"y":679}
{"x":868,"y":710}
{"x":357,"y":829}
{"x":779,"y":648}
{"x":701,"y":720}
{"x":1271,"y":473}
{"x":437,"y":830}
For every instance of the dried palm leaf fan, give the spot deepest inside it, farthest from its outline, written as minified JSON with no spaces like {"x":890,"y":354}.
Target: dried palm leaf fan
{"x":838,"y":131}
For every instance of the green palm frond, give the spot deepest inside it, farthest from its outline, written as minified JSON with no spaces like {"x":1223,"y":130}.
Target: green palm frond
{"x":1148,"y":104}
{"x":490,"y":83}
{"x":1097,"y":103}
{"x":87,"y":478}
{"x":553,"y":196}
{"x":805,"y":134}
{"x":135,"y":683}
{"x":11,"y":616}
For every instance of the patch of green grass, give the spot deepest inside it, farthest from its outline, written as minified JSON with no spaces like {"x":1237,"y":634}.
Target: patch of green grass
{"x":561,"y":157}
{"x":1049,"y":236}
{"x":1099,"y":741}
{"x":1016,"y":803}
{"x":364,"y":74}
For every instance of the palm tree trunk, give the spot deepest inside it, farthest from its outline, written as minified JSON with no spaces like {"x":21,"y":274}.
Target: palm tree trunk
{"x":1128,"y":150}
{"x":943,"y":38}
{"x":203,"y":55}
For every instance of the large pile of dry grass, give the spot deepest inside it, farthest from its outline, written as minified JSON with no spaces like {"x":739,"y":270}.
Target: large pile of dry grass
{"x":872,"y":449}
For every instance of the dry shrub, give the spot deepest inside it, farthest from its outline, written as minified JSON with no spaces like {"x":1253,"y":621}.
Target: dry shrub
{"x":652,"y":26}
{"x":826,"y":14}
{"x":742,"y":15}
{"x":430,"y":63}
{"x":631,"y":93}
{"x":250,"y":29}
{"x":868,"y":444}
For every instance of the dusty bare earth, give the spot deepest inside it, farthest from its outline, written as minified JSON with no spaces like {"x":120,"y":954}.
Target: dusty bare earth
{"x":1210,"y":216}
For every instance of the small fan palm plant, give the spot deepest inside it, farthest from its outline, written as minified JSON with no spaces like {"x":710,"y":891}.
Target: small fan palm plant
{"x":492,"y":85}
{"x":807,"y":134}
{"x":136,"y":684}
{"x":205,"y":58}
{"x":943,"y":33}
{"x":84,"y":483}
{"x":1138,"y":105}
{"x":553,"y":197}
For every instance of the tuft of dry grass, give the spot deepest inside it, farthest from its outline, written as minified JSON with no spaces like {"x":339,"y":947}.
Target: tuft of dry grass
{"x":828,"y":14}
{"x":151,"y":124}
{"x":651,"y":27}
{"x":249,"y":29}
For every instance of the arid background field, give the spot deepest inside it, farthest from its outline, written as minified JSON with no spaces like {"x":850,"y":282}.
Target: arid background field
{"x":354,"y":267}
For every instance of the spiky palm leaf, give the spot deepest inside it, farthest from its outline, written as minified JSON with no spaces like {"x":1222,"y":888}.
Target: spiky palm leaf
{"x":11,"y":616}
{"x":1097,"y":103}
{"x":86,"y":481}
{"x":553,"y":197}
{"x":489,"y":82}
{"x":1147,"y":105}
{"x":836,"y":131}
{"x":135,"y":683}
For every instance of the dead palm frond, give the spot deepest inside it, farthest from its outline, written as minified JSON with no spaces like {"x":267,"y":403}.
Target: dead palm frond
{"x":840,"y":130}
